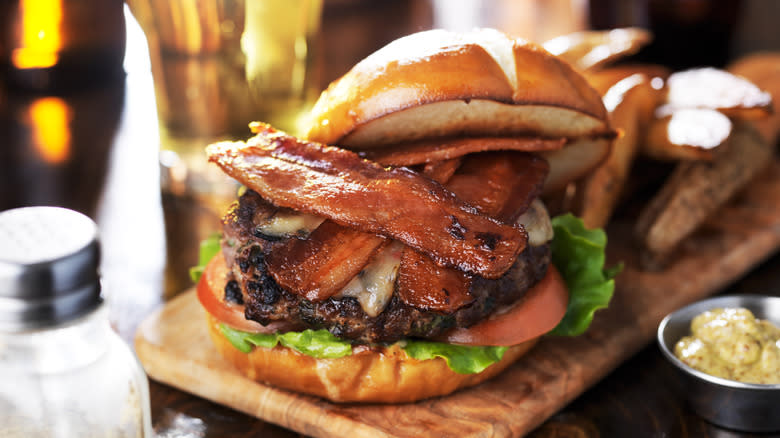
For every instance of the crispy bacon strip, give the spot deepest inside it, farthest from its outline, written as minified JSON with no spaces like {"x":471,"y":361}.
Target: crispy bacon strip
{"x":428,"y":151}
{"x":425,"y":285}
{"x":442,"y":171}
{"x":421,"y":282}
{"x":501,"y":185}
{"x":396,"y":203}
{"x":321,"y":265}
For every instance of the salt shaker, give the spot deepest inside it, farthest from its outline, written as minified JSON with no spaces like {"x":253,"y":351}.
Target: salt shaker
{"x":63,"y":371}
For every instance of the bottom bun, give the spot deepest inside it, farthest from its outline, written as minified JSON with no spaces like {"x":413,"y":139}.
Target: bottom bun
{"x":386,"y":375}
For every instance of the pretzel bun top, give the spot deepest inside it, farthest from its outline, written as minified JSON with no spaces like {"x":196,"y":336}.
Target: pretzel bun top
{"x":442,"y":84}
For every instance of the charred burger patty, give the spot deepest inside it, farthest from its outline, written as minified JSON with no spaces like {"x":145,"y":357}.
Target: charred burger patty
{"x":246,"y":249}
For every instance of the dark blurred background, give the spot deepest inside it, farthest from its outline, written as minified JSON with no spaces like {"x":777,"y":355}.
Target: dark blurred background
{"x":694,"y":33}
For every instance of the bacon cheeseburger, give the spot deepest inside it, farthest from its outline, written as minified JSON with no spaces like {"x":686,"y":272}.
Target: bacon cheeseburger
{"x":415,"y":257}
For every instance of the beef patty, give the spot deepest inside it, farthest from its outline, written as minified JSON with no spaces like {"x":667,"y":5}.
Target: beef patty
{"x":266,"y":302}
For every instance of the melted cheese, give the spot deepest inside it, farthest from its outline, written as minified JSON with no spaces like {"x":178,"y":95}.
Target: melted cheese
{"x":536,"y":222}
{"x":289,"y":224}
{"x":373,"y":286}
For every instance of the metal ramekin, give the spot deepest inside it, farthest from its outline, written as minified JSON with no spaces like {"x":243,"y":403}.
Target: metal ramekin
{"x":728,"y":403}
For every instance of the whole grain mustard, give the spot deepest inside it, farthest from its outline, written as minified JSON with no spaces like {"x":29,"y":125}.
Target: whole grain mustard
{"x":731,"y":343}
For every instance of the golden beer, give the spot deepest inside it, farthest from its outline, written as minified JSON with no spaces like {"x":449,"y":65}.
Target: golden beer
{"x":218,"y":65}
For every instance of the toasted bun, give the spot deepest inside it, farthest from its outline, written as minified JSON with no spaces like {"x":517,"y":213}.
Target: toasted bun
{"x":438,"y":84}
{"x":386,"y":375}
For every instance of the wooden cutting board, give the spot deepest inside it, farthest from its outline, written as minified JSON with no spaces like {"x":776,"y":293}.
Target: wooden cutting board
{"x":174,"y":348}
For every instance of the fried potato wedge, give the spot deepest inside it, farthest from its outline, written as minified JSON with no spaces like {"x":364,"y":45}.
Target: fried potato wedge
{"x":573,"y":161}
{"x":687,"y":135}
{"x":564,"y":162}
{"x":594,"y":49}
{"x":715,"y":89}
{"x":631,"y":103}
{"x":604,"y":79}
{"x":763,"y":69}
{"x":696,"y":190}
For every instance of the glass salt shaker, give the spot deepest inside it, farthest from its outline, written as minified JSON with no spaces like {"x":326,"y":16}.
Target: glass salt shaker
{"x":63,"y":371}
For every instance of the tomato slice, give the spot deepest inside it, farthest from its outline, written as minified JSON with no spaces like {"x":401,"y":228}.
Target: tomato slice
{"x":537,"y":313}
{"x":211,"y":296}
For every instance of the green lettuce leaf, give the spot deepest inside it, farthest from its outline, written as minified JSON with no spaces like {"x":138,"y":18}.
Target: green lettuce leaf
{"x":315,"y":343}
{"x":209,"y":247}
{"x":322,"y":344}
{"x":462,"y":359}
{"x":578,"y":253}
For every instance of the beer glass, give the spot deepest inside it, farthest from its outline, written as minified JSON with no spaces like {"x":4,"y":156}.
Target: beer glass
{"x":218,"y":65}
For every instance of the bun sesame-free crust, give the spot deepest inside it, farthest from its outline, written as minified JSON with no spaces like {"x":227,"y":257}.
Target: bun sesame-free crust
{"x":439,"y":83}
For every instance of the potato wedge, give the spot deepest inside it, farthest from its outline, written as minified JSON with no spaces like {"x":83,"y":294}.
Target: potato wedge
{"x":696,"y":190}
{"x":574,"y":161}
{"x":763,"y":69}
{"x":718,"y":90}
{"x":594,"y":49}
{"x":603,"y":80}
{"x":687,"y":135}
{"x":630,"y":102}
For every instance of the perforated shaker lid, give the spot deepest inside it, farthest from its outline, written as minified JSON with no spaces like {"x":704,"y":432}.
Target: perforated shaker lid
{"x":49,"y":259}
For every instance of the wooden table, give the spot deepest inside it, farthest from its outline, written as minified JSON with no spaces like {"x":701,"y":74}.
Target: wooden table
{"x":107,"y":166}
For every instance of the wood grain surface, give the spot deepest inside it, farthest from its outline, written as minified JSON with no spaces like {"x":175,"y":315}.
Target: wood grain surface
{"x":174,"y":347}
